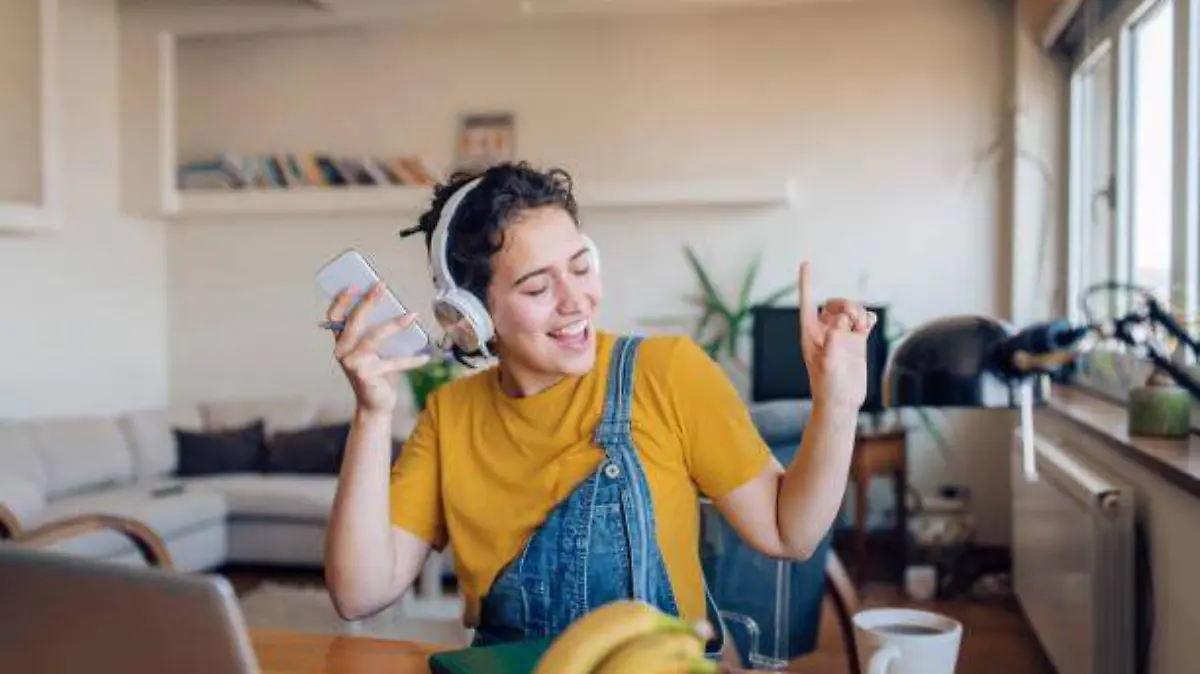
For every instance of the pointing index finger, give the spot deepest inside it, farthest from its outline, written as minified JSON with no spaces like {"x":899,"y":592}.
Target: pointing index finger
{"x":808,"y":310}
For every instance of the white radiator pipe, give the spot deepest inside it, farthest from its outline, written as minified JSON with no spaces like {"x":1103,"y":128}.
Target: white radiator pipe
{"x":1028,"y":451}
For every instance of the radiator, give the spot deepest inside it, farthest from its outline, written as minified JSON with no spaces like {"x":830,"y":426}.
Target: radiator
{"x":1073,"y":560}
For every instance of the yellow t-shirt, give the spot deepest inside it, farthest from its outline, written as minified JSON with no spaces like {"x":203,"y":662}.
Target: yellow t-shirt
{"x":482,"y":469}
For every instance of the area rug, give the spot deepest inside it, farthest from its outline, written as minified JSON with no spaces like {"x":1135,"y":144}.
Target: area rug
{"x":309,"y":609}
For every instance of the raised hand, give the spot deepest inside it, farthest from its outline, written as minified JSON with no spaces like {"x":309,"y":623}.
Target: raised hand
{"x":834,"y":343}
{"x":372,"y":376}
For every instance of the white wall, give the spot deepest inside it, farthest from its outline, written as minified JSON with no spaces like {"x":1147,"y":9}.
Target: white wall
{"x":85,"y":306}
{"x":881,"y":111}
{"x":1038,"y":171}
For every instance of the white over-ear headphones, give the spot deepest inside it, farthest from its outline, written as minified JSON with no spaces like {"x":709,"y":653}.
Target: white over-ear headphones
{"x":461,"y":315}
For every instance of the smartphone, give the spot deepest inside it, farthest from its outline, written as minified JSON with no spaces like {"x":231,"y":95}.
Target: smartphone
{"x":350,"y":268}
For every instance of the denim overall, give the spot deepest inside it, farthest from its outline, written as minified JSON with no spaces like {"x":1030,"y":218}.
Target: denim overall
{"x":596,"y":546}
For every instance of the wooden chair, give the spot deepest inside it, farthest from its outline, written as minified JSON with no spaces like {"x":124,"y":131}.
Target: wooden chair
{"x":842,"y":594}
{"x":845,"y":603}
{"x":9,"y":526}
{"x":149,"y":544}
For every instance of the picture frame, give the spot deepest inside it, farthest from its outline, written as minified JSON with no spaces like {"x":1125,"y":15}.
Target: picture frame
{"x":485,"y":139}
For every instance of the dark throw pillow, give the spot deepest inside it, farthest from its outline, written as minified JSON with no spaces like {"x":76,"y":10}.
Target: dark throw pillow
{"x":317,"y":449}
{"x":234,"y":450}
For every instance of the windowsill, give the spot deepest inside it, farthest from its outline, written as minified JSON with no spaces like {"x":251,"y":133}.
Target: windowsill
{"x":1175,"y":460}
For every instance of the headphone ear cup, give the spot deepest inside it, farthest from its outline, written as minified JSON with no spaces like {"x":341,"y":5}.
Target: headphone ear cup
{"x":464,"y":319}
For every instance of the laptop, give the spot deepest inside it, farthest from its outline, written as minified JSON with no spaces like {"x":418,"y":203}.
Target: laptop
{"x":65,"y":614}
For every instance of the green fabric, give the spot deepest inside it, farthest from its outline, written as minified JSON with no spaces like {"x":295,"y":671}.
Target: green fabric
{"x":510,"y":658}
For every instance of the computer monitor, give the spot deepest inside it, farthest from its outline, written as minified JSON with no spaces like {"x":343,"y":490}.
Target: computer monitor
{"x":777,"y":364}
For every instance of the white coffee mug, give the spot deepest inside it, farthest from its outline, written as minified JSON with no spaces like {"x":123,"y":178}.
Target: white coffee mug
{"x":906,"y":641}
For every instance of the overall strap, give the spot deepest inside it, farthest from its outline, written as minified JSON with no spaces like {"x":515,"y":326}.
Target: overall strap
{"x":616,"y":422}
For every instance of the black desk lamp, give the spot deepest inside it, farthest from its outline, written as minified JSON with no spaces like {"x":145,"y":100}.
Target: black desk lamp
{"x":979,"y":362}
{"x":959,"y":361}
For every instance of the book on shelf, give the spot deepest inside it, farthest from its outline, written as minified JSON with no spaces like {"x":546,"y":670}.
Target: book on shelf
{"x":234,"y":171}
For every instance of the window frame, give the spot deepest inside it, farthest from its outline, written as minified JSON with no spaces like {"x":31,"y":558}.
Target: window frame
{"x":1081,"y":199}
{"x":1114,"y":37}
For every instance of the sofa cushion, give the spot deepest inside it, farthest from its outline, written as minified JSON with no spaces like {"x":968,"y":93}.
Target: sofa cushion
{"x":317,"y":449}
{"x":283,"y":497}
{"x":780,"y":421}
{"x":280,"y":413}
{"x":22,"y":497}
{"x":151,"y":440}
{"x":404,"y":416}
{"x":82,"y":454}
{"x":203,"y":549}
{"x":233,"y":450}
{"x":169,"y":515}
{"x":18,"y":455}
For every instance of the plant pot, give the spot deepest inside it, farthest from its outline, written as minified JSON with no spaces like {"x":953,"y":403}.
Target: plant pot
{"x":1160,"y":408}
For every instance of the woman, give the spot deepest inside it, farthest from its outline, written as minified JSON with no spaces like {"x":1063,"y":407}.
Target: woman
{"x":568,"y":474}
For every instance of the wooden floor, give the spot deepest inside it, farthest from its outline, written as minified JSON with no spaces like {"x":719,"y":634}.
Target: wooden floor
{"x":996,"y":639}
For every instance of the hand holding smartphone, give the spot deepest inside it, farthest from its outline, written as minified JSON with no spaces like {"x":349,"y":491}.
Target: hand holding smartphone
{"x":351,"y":269}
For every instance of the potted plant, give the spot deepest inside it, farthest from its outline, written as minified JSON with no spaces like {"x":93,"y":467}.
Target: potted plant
{"x":424,"y":380}
{"x":723,"y":323}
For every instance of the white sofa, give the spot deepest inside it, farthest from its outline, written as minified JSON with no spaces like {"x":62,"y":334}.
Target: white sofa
{"x":51,"y":469}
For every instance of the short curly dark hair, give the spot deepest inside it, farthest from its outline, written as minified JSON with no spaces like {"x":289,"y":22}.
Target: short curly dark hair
{"x":477,"y":230}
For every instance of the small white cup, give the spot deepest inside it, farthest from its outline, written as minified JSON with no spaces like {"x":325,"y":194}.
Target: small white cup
{"x":906,"y":641}
{"x":920,"y":582}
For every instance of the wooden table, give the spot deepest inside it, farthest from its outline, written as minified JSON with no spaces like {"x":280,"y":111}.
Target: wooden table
{"x":878,"y":452}
{"x":286,"y":652}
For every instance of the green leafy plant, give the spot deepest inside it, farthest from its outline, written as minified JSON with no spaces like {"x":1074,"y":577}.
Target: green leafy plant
{"x":723,"y":324}
{"x":426,"y":379}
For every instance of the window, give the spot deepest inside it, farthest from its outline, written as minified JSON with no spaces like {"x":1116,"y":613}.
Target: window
{"x":1124,"y":136}
{"x":1134,"y":194}
{"x":1151,"y":84}
{"x":1096,"y":161}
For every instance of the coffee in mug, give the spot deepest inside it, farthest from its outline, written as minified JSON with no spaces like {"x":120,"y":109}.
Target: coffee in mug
{"x":906,"y":641}
{"x":908,"y":628}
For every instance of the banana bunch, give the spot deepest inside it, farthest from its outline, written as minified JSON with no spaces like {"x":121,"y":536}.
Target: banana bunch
{"x":628,"y":637}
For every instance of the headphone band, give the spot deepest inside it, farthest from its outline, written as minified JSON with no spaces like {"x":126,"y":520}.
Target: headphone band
{"x":439,"y":263}
{"x":463,"y":317}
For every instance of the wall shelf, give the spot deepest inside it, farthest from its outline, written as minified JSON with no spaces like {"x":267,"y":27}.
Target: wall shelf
{"x":16,"y":218}
{"x":347,"y":201}
{"x":298,"y":201}
{"x":690,"y":193}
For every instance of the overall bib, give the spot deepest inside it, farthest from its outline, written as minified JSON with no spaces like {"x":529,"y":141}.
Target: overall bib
{"x":599,"y":544}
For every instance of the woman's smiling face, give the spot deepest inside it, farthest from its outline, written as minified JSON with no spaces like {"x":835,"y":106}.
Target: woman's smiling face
{"x":543,"y":295}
